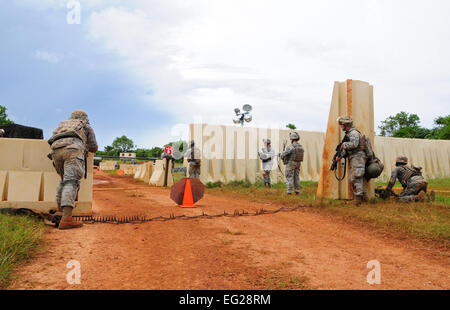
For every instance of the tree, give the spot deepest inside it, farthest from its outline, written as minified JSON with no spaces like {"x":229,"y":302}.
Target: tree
{"x":400,"y":121}
{"x":441,"y":129}
{"x":122,"y":144}
{"x":291,"y":126}
{"x":404,"y":125}
{"x":4,"y":120}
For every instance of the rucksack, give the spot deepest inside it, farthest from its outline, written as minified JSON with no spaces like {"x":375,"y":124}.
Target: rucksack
{"x":71,"y":128}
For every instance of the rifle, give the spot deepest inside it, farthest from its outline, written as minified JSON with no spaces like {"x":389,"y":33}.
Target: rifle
{"x":339,"y":154}
{"x":52,"y":218}
{"x":384,"y":193}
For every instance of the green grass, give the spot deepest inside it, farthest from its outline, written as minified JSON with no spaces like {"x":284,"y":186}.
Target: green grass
{"x":19,"y":235}
{"x":283,"y":282}
{"x":428,"y":221}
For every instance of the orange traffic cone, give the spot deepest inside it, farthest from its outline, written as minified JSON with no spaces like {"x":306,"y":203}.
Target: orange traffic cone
{"x":188,"y":199}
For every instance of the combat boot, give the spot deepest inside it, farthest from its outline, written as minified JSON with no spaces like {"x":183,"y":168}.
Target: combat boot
{"x":68,"y":223}
{"x":420,"y":197}
{"x":432,"y":195}
{"x":358,"y":200}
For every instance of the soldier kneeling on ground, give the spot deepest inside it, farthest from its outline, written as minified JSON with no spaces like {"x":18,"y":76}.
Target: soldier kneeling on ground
{"x":414,"y":185}
{"x":70,"y":144}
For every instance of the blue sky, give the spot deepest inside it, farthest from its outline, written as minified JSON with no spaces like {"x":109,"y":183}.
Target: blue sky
{"x":148,"y":68}
{"x":49,"y":69}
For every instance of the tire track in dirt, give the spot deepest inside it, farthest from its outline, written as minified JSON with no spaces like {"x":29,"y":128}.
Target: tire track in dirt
{"x":262,"y":252}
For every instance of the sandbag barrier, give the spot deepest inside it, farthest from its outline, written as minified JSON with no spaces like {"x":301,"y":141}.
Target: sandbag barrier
{"x":143,"y":219}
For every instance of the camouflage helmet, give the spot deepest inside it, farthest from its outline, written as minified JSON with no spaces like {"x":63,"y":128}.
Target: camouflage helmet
{"x":79,"y":114}
{"x":294,"y":135}
{"x":345,"y":120}
{"x":401,"y":160}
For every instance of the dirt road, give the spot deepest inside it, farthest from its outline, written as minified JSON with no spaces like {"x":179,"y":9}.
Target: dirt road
{"x":290,"y":250}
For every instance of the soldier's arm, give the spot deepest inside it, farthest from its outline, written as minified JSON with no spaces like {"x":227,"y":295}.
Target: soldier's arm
{"x":286,"y":152}
{"x":92,"y":145}
{"x":392,"y":179}
{"x":354,"y":141}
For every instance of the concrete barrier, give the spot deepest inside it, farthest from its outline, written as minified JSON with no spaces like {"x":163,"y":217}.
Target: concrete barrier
{"x":144,"y":172}
{"x":107,"y":165}
{"x":355,"y":99}
{"x":157,"y":177}
{"x":29,"y":180}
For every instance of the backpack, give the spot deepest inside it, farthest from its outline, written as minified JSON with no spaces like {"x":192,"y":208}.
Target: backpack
{"x":71,"y":128}
{"x":374,"y":166}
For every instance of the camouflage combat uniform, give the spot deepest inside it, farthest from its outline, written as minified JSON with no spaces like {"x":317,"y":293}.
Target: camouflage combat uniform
{"x":292,"y":157}
{"x":68,"y":154}
{"x":357,"y":157}
{"x":267,"y":153}
{"x":193,"y":156}
{"x":412,"y":181}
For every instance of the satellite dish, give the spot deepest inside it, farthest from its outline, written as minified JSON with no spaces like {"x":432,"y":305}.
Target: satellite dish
{"x":247,"y":108}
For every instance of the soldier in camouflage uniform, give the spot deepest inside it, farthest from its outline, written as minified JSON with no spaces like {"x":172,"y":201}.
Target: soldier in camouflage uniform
{"x":267,"y":154}
{"x":411,"y":179}
{"x":355,"y":150}
{"x":292,"y":158}
{"x":70,"y":144}
{"x":193,"y":156}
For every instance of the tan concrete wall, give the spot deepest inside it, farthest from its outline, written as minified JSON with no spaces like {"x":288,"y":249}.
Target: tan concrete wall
{"x":231,"y":152}
{"x":144,"y":172}
{"x":28,"y":178}
{"x":355,"y":99}
{"x":220,"y":160}
{"x":107,"y":165}
{"x":129,"y":169}
{"x":157,"y":177}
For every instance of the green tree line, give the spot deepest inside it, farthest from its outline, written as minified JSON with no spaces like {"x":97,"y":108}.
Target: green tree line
{"x":124,"y":144}
{"x":405,"y":125}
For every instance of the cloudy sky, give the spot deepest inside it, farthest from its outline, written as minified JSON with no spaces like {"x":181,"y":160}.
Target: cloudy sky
{"x":139,"y":68}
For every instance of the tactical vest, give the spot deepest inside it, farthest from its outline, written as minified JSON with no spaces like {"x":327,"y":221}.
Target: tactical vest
{"x":363,"y":145}
{"x":297,"y":154}
{"x":409,"y":172}
{"x":71,"y":128}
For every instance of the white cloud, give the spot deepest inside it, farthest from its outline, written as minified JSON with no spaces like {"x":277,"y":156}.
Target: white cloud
{"x":47,"y":56}
{"x":203,"y":58}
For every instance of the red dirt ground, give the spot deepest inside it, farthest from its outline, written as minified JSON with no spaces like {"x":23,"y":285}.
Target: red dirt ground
{"x":290,"y":250}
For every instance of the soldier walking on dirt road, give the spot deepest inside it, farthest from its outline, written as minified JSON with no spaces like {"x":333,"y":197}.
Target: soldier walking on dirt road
{"x":70,"y":144}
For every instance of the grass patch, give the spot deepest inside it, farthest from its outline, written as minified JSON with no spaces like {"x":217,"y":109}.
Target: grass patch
{"x":429,"y":221}
{"x":233,"y":233}
{"x":279,"y":282}
{"x":19,"y":235}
